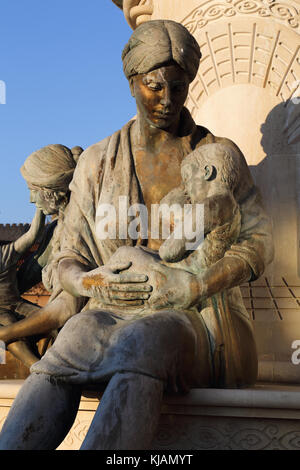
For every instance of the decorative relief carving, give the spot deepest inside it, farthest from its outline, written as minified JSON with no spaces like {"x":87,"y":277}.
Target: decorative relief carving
{"x":3,"y":415}
{"x":202,"y":433}
{"x":282,"y":11}
{"x":253,"y":53}
{"x":78,"y":432}
{"x":220,"y":433}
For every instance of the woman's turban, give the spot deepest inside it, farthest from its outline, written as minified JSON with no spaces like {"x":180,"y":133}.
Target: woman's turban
{"x":51,"y":167}
{"x":158,"y":42}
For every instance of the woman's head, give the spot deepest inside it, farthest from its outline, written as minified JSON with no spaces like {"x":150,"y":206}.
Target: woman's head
{"x":160,"y":60}
{"x":48,"y":173}
{"x":160,"y":42}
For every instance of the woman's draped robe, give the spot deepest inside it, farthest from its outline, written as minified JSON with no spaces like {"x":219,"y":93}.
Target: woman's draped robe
{"x":225,"y":343}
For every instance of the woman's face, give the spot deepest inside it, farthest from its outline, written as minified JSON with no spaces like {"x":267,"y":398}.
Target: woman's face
{"x":45,"y":201}
{"x":160,"y":95}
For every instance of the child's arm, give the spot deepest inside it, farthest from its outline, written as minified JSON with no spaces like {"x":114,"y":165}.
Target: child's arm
{"x":27,"y":240}
{"x":49,"y":318}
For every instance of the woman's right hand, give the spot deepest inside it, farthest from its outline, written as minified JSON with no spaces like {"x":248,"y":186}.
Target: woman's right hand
{"x":112,"y":286}
{"x":23,"y":243}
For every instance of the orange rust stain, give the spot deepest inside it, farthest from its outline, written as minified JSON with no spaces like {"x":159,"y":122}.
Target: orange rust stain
{"x":94,"y":281}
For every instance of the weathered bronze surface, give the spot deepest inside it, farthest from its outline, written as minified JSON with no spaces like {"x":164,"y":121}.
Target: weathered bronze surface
{"x":48,"y":173}
{"x":143,"y":325}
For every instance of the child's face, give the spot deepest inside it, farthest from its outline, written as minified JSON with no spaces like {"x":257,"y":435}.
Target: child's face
{"x":196,"y":186}
{"x":46,"y":205}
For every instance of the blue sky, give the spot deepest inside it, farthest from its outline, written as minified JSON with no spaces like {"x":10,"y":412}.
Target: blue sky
{"x":61,"y":63}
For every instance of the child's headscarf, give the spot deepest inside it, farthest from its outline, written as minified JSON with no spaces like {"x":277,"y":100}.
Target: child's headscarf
{"x":51,"y":167}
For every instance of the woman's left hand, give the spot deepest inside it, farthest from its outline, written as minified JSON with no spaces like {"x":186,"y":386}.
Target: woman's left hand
{"x":174,"y":288}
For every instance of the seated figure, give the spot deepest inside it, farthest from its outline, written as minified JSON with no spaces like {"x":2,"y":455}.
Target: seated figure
{"x":147,"y":327}
{"x":209,"y":175}
{"x":48,"y":172}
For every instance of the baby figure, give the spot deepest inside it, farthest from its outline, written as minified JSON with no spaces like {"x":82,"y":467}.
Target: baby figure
{"x":209,"y":175}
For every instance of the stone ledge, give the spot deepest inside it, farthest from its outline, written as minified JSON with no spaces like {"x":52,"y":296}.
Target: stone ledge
{"x":262,"y":400}
{"x":225,"y":412}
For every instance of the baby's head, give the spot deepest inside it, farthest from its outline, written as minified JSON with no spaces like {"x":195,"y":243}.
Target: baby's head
{"x":209,"y":167}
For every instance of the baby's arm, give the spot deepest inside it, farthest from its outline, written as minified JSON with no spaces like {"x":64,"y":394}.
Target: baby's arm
{"x":27,"y":240}
{"x":174,"y":248}
{"x":218,"y":210}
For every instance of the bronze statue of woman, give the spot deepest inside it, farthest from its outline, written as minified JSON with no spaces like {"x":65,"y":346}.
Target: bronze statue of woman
{"x":146,"y":328}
